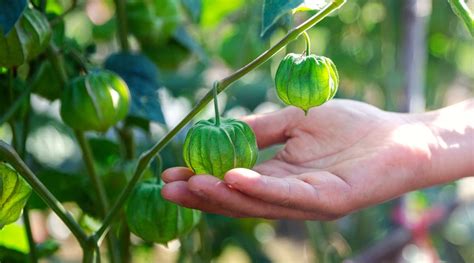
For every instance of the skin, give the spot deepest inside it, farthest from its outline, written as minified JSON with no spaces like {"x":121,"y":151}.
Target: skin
{"x":344,"y":156}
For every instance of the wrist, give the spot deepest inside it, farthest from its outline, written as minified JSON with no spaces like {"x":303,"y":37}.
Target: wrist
{"x":452,"y":145}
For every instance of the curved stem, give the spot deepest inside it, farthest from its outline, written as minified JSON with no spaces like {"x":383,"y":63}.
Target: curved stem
{"x":308,"y":43}
{"x":216,"y":105}
{"x":122,"y":24}
{"x":147,"y":156}
{"x":99,"y":189}
{"x":8,"y":154}
{"x":461,"y":9}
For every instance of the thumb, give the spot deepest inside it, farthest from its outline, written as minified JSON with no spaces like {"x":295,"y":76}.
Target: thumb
{"x":272,"y":128}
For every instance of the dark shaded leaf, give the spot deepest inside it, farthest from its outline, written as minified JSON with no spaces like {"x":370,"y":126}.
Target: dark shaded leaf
{"x":10,"y":12}
{"x":182,"y":36}
{"x":193,"y":8}
{"x":141,"y":76}
{"x":66,"y":187}
{"x":274,"y":9}
{"x":47,"y":248}
{"x":106,"y":152}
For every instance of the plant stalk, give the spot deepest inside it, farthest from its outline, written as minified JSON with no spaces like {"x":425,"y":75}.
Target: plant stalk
{"x":216,"y":105}
{"x":147,"y":156}
{"x":122,"y":24}
{"x":99,"y":189}
{"x":308,"y":43}
{"x":9,"y":155}
{"x":29,"y":234}
{"x":91,"y":171}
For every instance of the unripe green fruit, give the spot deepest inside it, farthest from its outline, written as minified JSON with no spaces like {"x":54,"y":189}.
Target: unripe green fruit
{"x":306,"y":81}
{"x":26,"y":40}
{"x":95,"y":101}
{"x":155,"y":219}
{"x":14,"y":193}
{"x":214,"y":149}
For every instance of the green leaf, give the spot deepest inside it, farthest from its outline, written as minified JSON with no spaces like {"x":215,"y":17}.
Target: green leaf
{"x":66,"y":187}
{"x":214,"y":12}
{"x":10,"y":12}
{"x":13,"y":237}
{"x":47,"y":248}
{"x":141,"y":76}
{"x":14,"y":194}
{"x":274,"y":10}
{"x":182,"y":37}
{"x":106,"y":152}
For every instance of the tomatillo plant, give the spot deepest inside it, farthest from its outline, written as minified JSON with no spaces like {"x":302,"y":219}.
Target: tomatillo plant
{"x":96,"y":101}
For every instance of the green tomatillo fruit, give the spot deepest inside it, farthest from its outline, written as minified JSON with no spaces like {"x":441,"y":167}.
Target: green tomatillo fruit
{"x":214,"y":147}
{"x":306,"y":81}
{"x":14,"y":192}
{"x":95,"y":101}
{"x":153,"y":21}
{"x":155,"y":219}
{"x":26,"y":40}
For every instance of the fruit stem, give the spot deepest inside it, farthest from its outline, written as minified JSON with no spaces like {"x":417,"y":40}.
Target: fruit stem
{"x":308,"y":43}
{"x":158,"y":168}
{"x":216,"y":105}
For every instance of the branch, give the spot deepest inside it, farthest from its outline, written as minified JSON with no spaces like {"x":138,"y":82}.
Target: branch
{"x":461,"y":9}
{"x":9,"y":155}
{"x":147,"y":156}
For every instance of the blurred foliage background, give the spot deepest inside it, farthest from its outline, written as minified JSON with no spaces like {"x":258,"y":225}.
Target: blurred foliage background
{"x":214,"y":38}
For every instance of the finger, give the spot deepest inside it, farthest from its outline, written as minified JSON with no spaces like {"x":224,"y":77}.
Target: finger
{"x":176,"y":174}
{"x":272,"y":128}
{"x":317,"y":191}
{"x":178,"y":192}
{"x":217,"y":193}
{"x":279,"y":168}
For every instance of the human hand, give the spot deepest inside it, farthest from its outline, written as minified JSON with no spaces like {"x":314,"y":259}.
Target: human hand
{"x":343,"y":156}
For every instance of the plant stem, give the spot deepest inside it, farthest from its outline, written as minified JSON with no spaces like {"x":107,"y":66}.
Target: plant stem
{"x":158,"y":168}
{"x":31,"y":242}
{"x":216,"y":105}
{"x":58,"y":63}
{"x":125,"y":244}
{"x":91,"y":171}
{"x":308,"y":43}
{"x":15,"y":106}
{"x":461,"y":9}
{"x":8,"y":154}
{"x":122,"y":24}
{"x":99,"y":189}
{"x":128,"y":141}
{"x":147,"y":156}
{"x":20,"y":147}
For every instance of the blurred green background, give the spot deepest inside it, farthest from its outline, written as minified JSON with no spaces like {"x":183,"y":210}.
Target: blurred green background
{"x":370,"y":43}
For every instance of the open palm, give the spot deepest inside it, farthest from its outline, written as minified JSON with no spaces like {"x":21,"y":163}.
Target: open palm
{"x":343,"y":156}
